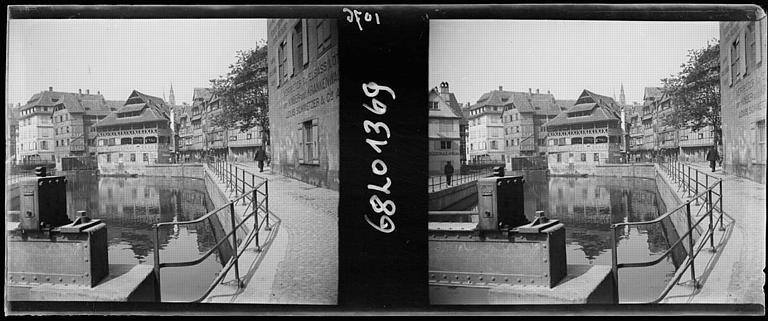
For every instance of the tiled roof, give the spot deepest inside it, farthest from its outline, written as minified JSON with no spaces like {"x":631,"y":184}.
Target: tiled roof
{"x":115,"y":104}
{"x":445,"y":109}
{"x":581,"y":107}
{"x":602,"y":108}
{"x":152,"y":109}
{"x":204,"y":93}
{"x":541,"y":104}
{"x":654,"y":92}
{"x":72,"y":102}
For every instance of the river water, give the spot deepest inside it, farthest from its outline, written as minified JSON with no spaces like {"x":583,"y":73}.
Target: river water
{"x":588,"y":206}
{"x":129,"y":207}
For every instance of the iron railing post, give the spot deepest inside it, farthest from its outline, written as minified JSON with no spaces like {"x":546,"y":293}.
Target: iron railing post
{"x":266,"y":202}
{"x":697,"y":187}
{"x":711,"y":227}
{"x":256,"y":206}
{"x":721,"y":205}
{"x":691,"y":251}
{"x":234,"y":242}
{"x":689,"y":181}
{"x":156,"y":269}
{"x":614,"y":266}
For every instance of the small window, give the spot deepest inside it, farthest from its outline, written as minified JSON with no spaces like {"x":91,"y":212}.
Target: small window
{"x":433,"y":105}
{"x":145,"y":157}
{"x":248,"y":136}
{"x":133,"y":157}
{"x":109,"y":159}
{"x":232,"y":138}
{"x":308,"y":131}
{"x":597,"y":157}
{"x":583,"y":157}
{"x":559,"y":158}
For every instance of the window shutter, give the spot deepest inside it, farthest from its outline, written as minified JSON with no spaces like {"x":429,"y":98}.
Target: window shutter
{"x":277,"y":64}
{"x":728,"y":62}
{"x":315,"y":142}
{"x":301,"y":143}
{"x":758,"y":42}
{"x":304,"y":42}
{"x":289,"y":47}
{"x":742,"y":54}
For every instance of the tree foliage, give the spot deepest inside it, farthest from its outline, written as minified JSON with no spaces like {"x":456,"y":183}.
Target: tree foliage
{"x":243,"y":93}
{"x":695,"y":90}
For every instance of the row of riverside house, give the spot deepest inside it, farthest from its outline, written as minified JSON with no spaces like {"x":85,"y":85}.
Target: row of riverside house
{"x":651,"y":136}
{"x":56,"y":127}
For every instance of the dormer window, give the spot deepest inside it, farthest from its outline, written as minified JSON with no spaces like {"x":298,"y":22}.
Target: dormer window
{"x":433,"y":105}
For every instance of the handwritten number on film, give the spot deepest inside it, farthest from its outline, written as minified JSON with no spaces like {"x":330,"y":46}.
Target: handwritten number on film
{"x":379,"y":133}
{"x":354,"y":16}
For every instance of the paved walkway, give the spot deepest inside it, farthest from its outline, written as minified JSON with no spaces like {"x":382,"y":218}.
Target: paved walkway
{"x":301,"y":264}
{"x":733,"y":274}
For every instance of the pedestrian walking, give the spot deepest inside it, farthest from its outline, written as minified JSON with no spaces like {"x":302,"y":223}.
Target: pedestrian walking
{"x":712,"y":157}
{"x":260,"y":156}
{"x":448,"y":170}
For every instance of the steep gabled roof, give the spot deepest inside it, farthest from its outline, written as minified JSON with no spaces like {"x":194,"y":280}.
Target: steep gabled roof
{"x":540,"y":104}
{"x":597,"y":107}
{"x":204,"y":93}
{"x":151,"y":109}
{"x":652,"y":92}
{"x":445,"y":110}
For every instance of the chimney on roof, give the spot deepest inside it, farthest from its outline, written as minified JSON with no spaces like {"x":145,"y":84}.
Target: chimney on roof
{"x":80,"y":91}
{"x":537,"y":91}
{"x":50,"y":88}
{"x":444,"y":87}
{"x":547,"y":91}
{"x":87,"y":91}
{"x":529,"y":90}
{"x":98,"y":92}
{"x":501,"y":88}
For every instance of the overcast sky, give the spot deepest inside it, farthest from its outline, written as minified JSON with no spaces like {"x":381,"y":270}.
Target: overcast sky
{"x":120,"y":55}
{"x":565,"y":57}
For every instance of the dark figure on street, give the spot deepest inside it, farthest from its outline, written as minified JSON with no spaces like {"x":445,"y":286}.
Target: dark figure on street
{"x":448,"y":170}
{"x":712,"y":157}
{"x":260,"y":156}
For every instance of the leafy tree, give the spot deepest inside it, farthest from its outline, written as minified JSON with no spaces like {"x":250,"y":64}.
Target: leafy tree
{"x":695,"y":91}
{"x":243,"y":93}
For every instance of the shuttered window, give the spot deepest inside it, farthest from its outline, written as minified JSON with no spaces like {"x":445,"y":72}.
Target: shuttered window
{"x":309,"y":141}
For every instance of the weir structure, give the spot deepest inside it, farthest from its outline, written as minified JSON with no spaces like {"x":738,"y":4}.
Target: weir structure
{"x":497,"y":255}
{"x":54,"y":258}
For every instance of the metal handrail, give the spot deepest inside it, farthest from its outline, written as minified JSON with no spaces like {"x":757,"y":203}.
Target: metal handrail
{"x":457,"y":179}
{"x":677,"y":172}
{"x":253,"y":207}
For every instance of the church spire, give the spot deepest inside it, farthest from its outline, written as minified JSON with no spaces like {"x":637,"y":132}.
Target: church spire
{"x":171,"y":97}
{"x":622,"y":98}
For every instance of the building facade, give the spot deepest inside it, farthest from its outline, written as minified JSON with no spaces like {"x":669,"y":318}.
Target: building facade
{"x":75,"y":137}
{"x":11,"y":131}
{"x":36,"y":137}
{"x":215,"y":136}
{"x":524,"y":118}
{"x":743,"y":97}
{"x":134,"y":136}
{"x":303,"y":77}
{"x":445,"y":118}
{"x":585,"y":136}
{"x":486,"y":130}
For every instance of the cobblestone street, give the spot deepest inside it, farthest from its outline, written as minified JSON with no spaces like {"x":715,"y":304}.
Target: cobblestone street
{"x":308,"y":272}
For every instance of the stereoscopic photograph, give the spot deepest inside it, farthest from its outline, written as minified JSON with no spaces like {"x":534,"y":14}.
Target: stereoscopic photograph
{"x":605,"y":162}
{"x":172,"y":160}
{"x":278,"y":159}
